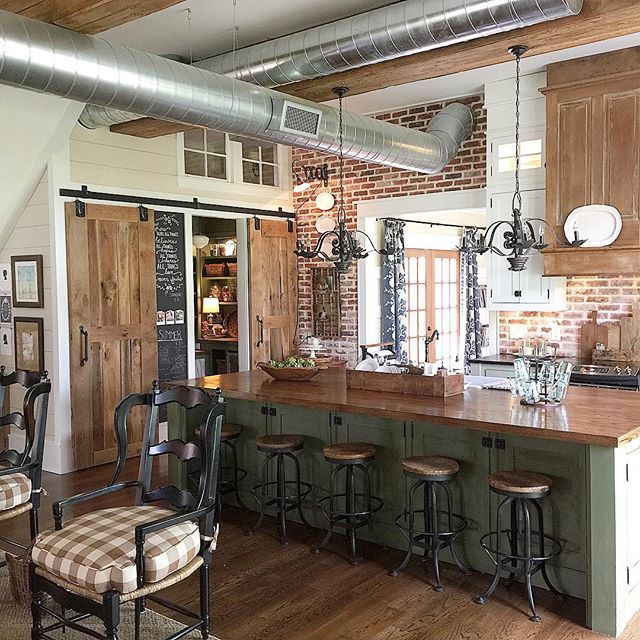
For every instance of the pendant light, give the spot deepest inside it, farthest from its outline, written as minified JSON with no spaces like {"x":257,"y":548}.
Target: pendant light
{"x":519,"y":240}
{"x":345,"y":246}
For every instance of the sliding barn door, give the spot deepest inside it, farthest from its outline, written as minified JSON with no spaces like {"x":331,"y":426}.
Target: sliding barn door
{"x":112,"y":323}
{"x":273,"y":275}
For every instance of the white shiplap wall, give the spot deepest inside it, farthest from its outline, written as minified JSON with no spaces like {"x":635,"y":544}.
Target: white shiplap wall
{"x":30,"y":236}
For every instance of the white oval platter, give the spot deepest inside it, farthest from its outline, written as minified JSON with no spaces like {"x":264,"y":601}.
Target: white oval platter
{"x":600,"y":224}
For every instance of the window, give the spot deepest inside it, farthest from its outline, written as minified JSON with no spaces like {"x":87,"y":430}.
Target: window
{"x":433,"y":302}
{"x":205,"y":153}
{"x":259,"y":162}
{"x":530,"y":155}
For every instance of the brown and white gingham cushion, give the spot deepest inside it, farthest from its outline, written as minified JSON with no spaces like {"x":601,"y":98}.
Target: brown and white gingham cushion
{"x":15,"y":489}
{"x":97,"y":551}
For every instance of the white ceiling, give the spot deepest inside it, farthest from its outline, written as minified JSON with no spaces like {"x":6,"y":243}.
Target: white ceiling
{"x":259,"y":20}
{"x":212,"y":23}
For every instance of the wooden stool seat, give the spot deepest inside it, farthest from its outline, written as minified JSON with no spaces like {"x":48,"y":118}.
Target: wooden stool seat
{"x":285,"y":442}
{"x":230,"y":431}
{"x":350,"y":451}
{"x":430,"y":466}
{"x":520,"y":483}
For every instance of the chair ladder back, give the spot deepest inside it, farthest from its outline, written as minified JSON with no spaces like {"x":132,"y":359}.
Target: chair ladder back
{"x":12,"y":456}
{"x":120,"y":428}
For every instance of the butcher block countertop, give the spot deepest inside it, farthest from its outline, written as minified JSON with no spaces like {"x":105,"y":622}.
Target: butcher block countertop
{"x":592,"y":416}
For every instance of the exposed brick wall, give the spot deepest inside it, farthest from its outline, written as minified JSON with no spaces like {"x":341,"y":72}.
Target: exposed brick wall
{"x":611,"y":296}
{"x":364,"y":181}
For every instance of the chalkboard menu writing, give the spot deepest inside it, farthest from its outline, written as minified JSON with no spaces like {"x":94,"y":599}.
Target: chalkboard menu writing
{"x":171,"y":296}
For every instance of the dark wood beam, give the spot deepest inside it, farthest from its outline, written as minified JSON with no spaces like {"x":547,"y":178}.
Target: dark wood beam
{"x":86,"y":16}
{"x":599,"y":20}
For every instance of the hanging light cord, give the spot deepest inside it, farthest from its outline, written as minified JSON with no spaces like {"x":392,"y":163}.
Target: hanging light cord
{"x":236,"y":38}
{"x":517,"y":197}
{"x":341,"y":211}
{"x":189,"y":35}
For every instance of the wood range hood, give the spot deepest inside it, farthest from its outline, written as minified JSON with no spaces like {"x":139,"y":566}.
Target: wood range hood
{"x":593,"y":157}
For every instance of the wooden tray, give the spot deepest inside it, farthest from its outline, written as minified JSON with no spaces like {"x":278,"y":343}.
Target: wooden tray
{"x":290,"y":374}
{"x":434,"y":386}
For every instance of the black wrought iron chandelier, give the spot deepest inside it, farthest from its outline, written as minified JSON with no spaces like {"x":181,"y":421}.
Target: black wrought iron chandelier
{"x":345,"y":245}
{"x":519,"y":241}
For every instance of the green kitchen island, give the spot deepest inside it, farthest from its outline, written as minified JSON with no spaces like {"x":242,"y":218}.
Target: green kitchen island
{"x":589,"y":446}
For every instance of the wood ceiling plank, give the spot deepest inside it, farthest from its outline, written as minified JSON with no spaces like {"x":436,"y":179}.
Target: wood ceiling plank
{"x":86,"y":16}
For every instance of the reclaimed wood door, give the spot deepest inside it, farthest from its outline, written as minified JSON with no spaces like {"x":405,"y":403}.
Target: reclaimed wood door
{"x":112,"y":323}
{"x":273,"y":273}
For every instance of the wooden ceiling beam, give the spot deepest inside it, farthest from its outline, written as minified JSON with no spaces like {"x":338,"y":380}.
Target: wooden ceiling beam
{"x":86,"y":16}
{"x":599,"y":20}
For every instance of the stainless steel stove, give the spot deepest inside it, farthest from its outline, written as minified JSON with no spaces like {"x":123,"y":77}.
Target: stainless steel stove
{"x":615,"y":376}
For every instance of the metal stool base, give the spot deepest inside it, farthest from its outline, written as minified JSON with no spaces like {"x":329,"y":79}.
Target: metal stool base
{"x":350,"y":519}
{"x":521,"y":557}
{"x":285,"y":501}
{"x":432,"y":539}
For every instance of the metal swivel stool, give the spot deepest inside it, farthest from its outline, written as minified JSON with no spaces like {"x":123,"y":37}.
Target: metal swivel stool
{"x":519,"y":546}
{"x":426,"y":526}
{"x":280,"y":447}
{"x":352,"y":509}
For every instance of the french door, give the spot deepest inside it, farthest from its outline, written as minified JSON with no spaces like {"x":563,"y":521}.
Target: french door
{"x":433,"y":302}
{"x":112,"y":323}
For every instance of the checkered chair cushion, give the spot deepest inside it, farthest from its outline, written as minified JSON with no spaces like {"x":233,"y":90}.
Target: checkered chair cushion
{"x":97,"y":551}
{"x":15,"y":489}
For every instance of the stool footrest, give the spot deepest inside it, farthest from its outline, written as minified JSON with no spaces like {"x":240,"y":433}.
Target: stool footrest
{"x":367,"y":513}
{"x":491,"y":544}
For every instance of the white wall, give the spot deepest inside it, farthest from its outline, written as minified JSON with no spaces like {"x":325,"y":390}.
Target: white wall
{"x":32,"y":127}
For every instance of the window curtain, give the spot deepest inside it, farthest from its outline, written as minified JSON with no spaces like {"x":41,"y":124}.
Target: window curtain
{"x":470,"y":297}
{"x":394,"y":291}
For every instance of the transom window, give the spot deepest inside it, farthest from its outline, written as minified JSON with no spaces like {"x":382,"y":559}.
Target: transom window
{"x":259,"y":162}
{"x":205,"y":153}
{"x":530,"y":155}
{"x":433,"y":301}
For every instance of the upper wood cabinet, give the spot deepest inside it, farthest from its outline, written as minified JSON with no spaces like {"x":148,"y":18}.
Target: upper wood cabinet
{"x":593,"y":153}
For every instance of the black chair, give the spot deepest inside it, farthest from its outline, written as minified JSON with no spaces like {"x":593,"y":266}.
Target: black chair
{"x":21,"y":471}
{"x":87,"y":566}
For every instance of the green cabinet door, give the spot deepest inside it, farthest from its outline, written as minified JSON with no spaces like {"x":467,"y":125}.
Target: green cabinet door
{"x":314,"y":426}
{"x":470,"y":492}
{"x":565,"y":510}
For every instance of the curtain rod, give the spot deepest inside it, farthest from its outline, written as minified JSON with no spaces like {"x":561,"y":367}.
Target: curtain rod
{"x":84,"y":193}
{"x":433,"y":224}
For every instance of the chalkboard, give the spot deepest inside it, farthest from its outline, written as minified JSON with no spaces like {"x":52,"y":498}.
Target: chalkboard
{"x":171,"y":296}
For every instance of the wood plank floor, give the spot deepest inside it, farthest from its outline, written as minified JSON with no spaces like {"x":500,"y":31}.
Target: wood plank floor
{"x":262,"y":590}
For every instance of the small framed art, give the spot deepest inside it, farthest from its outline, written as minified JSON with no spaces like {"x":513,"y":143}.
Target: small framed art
{"x":27,"y":283}
{"x":28,"y":336}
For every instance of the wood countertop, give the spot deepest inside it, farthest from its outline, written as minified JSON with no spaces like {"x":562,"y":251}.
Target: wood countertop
{"x":588,"y":415}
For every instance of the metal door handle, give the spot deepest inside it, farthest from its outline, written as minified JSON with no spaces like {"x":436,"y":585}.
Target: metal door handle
{"x":261,"y":326}
{"x":84,"y":346}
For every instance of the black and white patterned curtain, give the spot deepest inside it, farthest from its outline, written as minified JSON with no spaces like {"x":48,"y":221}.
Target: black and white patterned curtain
{"x":394,"y":291}
{"x":470,"y":294}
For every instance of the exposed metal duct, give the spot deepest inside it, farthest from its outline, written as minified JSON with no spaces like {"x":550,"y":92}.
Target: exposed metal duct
{"x":390,"y":32}
{"x":46,"y":58}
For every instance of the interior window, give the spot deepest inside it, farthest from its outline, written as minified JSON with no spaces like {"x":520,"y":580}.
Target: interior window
{"x":433,"y":300}
{"x":530,"y":155}
{"x":205,"y":153}
{"x":259,"y":162}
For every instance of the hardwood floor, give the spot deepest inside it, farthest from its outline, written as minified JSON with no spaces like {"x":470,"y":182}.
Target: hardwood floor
{"x":262,"y":590}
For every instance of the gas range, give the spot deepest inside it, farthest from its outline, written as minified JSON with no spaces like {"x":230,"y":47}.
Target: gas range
{"x":616,"y":376}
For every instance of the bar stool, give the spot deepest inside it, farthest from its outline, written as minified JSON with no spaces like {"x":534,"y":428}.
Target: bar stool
{"x":530,"y":549}
{"x":280,"y":447}
{"x":430,"y":473}
{"x":229,"y":475}
{"x":352,"y":509}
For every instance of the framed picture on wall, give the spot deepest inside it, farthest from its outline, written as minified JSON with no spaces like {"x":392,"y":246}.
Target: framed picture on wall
{"x":27,"y":283}
{"x":28,"y":336}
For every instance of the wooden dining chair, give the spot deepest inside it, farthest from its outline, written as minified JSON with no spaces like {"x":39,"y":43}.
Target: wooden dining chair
{"x":101,"y":560}
{"x":21,"y":470}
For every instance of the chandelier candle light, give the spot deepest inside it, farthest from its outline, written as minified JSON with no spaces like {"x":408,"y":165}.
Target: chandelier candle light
{"x":519,"y":240}
{"x":345,"y":245}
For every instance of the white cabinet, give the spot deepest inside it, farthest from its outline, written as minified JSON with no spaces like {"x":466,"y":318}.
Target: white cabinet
{"x":492,"y":370}
{"x":526,"y":290}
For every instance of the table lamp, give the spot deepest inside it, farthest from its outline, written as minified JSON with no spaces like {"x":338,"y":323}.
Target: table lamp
{"x":210,"y":306}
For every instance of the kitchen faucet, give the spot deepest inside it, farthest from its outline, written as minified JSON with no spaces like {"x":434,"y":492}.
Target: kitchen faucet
{"x":428,"y":340}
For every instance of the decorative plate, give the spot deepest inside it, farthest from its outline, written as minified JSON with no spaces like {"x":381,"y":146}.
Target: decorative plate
{"x":600,"y":224}
{"x":231,"y":324}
